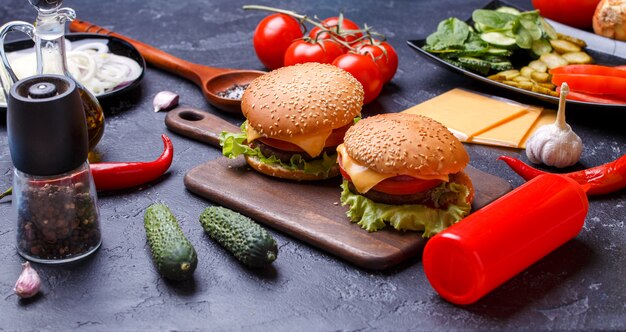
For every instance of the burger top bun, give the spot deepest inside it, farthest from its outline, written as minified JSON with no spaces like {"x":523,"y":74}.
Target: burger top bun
{"x":406,"y":144}
{"x":301,"y":100}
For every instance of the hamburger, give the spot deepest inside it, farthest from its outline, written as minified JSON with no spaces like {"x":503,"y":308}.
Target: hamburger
{"x":405,"y":170}
{"x":296,"y":117}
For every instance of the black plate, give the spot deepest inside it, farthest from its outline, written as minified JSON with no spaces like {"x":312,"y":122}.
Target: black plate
{"x":603,"y":50}
{"x":116,"y":46}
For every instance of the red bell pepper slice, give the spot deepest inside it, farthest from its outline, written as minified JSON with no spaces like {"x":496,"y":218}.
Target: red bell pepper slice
{"x":590,"y":98}
{"x":594,"y":84}
{"x":590,"y":70}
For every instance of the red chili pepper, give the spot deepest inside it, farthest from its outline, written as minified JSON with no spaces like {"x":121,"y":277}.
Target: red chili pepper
{"x":597,"y":180}
{"x":119,"y":175}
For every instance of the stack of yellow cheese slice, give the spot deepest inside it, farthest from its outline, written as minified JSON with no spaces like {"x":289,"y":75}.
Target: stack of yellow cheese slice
{"x":476,"y":118}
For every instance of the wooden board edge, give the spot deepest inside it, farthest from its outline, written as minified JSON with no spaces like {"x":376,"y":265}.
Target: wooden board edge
{"x":364,"y":260}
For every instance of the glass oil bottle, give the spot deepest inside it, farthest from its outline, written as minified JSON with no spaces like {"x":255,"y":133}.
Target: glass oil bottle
{"x":49,"y":36}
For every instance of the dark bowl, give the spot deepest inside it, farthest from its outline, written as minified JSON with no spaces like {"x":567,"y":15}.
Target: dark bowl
{"x":116,"y":46}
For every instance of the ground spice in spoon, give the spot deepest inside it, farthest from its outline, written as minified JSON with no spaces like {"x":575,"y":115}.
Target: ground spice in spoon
{"x":234,"y":92}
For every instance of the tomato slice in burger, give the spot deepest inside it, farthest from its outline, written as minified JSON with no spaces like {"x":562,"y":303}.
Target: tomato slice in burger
{"x":335,"y":138}
{"x":399,"y":185}
{"x":405,"y":185}
{"x":281,"y":145}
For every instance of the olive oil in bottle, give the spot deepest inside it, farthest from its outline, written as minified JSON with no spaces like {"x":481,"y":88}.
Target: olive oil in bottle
{"x":49,"y":38}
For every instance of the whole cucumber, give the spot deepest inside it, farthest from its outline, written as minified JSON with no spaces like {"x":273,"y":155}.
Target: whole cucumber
{"x":245,"y":239}
{"x":173,"y":254}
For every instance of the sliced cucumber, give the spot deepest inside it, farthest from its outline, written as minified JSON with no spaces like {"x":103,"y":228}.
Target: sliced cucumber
{"x":508,"y":10}
{"x":494,"y":58}
{"x":477,"y":53}
{"x":499,"y":51}
{"x":475,"y":64}
{"x":503,"y":65}
{"x":479,"y":70}
{"x":497,"y":38}
{"x":453,"y":62}
{"x":474,"y":61}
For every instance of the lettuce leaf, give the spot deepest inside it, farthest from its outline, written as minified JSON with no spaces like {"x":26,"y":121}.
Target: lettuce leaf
{"x":233,"y":145}
{"x":373,"y":216}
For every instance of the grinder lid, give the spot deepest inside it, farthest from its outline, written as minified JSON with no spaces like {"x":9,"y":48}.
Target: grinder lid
{"x":46,"y":125}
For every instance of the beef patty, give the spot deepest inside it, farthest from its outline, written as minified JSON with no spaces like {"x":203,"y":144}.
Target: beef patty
{"x":285,"y":156}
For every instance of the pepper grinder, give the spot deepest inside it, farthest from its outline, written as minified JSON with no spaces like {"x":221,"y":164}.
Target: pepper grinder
{"x":54,"y":195}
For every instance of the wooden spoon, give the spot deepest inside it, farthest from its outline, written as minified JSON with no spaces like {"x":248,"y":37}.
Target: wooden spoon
{"x":210,"y":79}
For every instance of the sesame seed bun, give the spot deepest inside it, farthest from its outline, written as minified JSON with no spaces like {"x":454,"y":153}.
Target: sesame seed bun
{"x":301,"y":100}
{"x":278,"y":171}
{"x":406,"y":144}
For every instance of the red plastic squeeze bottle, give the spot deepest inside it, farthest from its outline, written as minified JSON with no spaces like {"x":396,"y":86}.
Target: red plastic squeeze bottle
{"x":493,"y":244}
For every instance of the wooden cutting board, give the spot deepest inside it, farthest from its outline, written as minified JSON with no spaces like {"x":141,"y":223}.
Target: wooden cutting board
{"x":308,"y":211}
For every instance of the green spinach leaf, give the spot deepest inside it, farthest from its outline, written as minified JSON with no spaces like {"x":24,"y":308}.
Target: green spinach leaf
{"x":492,"y":18}
{"x":450,"y":32}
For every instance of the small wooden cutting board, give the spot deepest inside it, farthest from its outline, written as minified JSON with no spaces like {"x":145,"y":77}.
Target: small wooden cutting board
{"x":308,"y":211}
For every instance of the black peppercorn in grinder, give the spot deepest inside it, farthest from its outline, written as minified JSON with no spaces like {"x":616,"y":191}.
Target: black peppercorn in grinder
{"x":54,"y":196}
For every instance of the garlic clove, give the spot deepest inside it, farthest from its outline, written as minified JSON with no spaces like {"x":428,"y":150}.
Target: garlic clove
{"x":164,"y":100}
{"x":29,"y":283}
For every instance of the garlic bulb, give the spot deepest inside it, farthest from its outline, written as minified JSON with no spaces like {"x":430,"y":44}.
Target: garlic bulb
{"x":28,"y":283}
{"x":555,"y":144}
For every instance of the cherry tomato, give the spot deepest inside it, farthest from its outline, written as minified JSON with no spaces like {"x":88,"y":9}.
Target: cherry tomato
{"x":387,"y":63}
{"x":335,"y":138}
{"x":272,"y":37}
{"x":332,"y":23}
{"x":322,"y":51}
{"x":577,"y":13}
{"x":398,"y":185}
{"x":365,"y":70}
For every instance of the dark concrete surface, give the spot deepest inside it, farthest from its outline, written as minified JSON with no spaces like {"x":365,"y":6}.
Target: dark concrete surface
{"x":580,"y":286}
